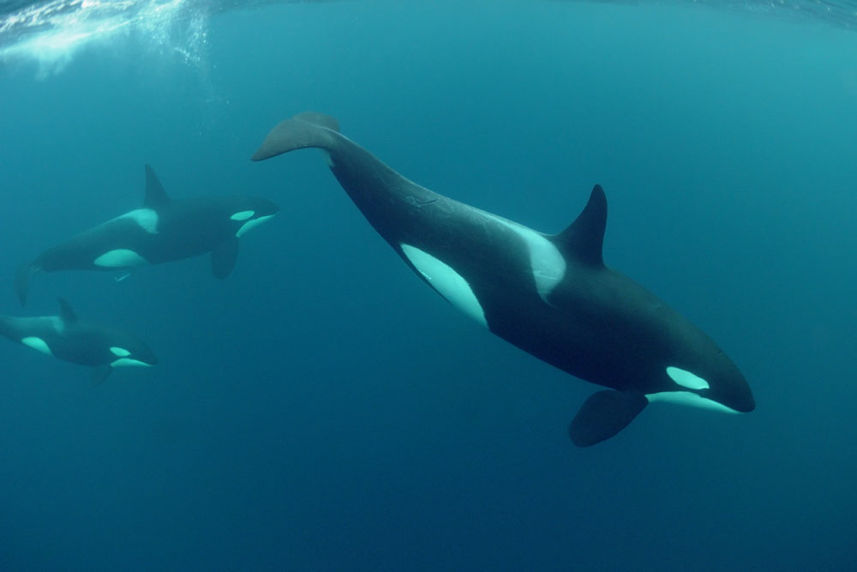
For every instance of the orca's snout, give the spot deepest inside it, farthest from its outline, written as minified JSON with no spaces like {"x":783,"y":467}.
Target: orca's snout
{"x":267,"y":208}
{"x":740,"y":396}
{"x":747,"y":403}
{"x":274,"y":209}
{"x":146,"y":356}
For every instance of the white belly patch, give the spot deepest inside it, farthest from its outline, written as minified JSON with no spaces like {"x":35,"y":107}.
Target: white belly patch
{"x":128,"y":362}
{"x":37,"y":344}
{"x":686,"y":379}
{"x":120,"y":258}
{"x":448,"y":283}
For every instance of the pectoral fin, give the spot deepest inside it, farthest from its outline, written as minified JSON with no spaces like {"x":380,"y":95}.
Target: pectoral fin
{"x":22,"y":281}
{"x":604,"y":414}
{"x":223,"y":258}
{"x":100,"y":374}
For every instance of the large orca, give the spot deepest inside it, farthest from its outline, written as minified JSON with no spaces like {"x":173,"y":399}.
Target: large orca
{"x":163,"y":230}
{"x":550,"y":295}
{"x":67,"y":338}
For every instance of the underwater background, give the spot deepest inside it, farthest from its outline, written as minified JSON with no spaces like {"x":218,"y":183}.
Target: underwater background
{"x":321,"y":409}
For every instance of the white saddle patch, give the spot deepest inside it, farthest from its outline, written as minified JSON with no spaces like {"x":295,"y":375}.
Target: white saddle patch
{"x":686,"y":379}
{"x":448,"y":283}
{"x":546,"y":261}
{"x":688,"y":398}
{"x":120,"y":258}
{"x":37,"y":344}
{"x":147,"y":219}
{"x":250,"y":224}
{"x":55,"y":322}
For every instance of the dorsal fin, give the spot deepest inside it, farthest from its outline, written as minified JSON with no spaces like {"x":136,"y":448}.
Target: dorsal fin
{"x":66,"y":311}
{"x":584,"y":238}
{"x":155,"y":195}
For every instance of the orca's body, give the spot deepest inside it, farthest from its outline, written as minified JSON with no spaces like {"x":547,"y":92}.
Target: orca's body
{"x":163,"y":230}
{"x":67,"y":338}
{"x":550,"y":295}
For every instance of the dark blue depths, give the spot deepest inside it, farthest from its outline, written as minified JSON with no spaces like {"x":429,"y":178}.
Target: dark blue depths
{"x":322,"y":410}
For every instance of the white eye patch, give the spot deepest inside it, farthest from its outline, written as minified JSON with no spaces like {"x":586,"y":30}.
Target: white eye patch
{"x":686,"y":379}
{"x":242,"y":215}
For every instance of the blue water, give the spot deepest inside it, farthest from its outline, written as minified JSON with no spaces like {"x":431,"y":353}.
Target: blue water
{"x":322,"y":409}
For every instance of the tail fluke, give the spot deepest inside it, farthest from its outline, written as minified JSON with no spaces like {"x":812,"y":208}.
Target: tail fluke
{"x":307,"y":129}
{"x":22,"y":281}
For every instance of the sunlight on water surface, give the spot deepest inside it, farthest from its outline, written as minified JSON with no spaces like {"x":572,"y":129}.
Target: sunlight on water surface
{"x":51,"y":34}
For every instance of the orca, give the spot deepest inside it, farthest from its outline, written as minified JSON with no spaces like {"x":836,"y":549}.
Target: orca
{"x":550,"y":295}
{"x":68,"y":338}
{"x":162,"y":230}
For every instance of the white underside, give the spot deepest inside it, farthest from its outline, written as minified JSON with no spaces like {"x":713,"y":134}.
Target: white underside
{"x":251,"y":224}
{"x":37,"y":344}
{"x":128,"y":362}
{"x":120,"y":258}
{"x":688,"y":398}
{"x":448,"y":283}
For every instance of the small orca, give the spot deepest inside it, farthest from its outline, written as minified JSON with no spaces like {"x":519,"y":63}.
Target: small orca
{"x":550,"y":295}
{"x":67,"y":338}
{"x":163,"y":230}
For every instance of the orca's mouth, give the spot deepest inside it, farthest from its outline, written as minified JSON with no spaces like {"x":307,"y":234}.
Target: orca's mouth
{"x":745,"y":405}
{"x":739,"y":404}
{"x":738,"y":398}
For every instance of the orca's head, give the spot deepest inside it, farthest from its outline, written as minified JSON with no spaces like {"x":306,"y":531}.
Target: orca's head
{"x":704,"y":377}
{"x":128,"y":351}
{"x":249,"y":212}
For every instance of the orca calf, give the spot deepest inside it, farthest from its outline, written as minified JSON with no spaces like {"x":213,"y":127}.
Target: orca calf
{"x":67,"y":338}
{"x":550,"y":295}
{"x":163,"y":230}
